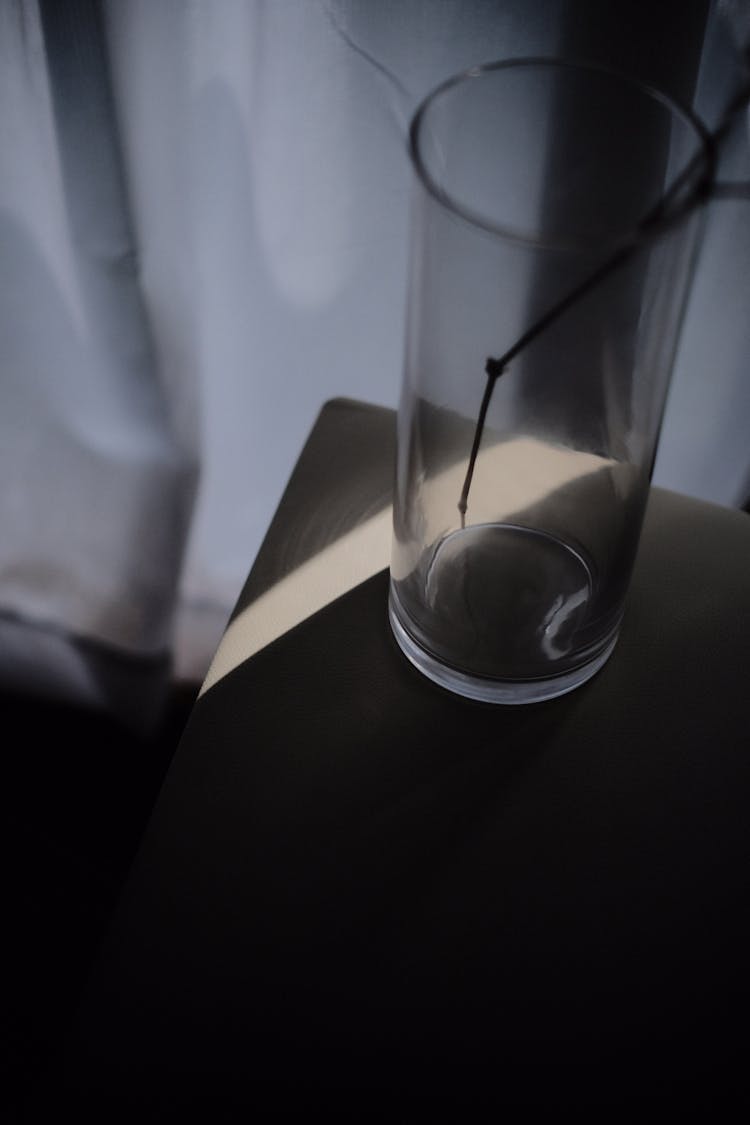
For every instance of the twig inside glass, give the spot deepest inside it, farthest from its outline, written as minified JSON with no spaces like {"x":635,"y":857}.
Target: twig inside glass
{"x":669,"y":210}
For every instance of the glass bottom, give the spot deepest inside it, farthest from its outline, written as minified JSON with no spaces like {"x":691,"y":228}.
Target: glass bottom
{"x":502,"y":614}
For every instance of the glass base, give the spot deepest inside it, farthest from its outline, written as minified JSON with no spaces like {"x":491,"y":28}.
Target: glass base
{"x":503,"y":614}
{"x":487,"y":690}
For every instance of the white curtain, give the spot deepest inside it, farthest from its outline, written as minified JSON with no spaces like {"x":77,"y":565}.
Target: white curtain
{"x":204,"y":236}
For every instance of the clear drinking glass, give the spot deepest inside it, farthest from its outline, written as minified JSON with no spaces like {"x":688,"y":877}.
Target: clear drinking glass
{"x":553,"y":235}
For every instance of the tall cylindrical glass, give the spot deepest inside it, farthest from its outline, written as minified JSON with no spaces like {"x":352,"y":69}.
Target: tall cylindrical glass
{"x":553,"y":235}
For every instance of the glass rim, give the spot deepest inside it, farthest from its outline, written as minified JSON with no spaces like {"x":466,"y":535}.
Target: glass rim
{"x":703,"y":157}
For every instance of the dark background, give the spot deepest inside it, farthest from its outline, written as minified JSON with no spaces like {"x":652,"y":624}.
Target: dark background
{"x":76,"y":793}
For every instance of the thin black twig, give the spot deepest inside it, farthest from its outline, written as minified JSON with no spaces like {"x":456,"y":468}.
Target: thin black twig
{"x":661,"y":216}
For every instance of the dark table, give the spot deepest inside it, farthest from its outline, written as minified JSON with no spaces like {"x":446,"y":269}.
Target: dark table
{"x":357,"y":890}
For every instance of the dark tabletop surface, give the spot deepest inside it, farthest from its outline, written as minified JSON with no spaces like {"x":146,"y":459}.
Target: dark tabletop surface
{"x":358,"y":886}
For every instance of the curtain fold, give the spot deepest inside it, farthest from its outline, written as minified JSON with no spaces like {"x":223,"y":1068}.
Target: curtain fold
{"x":95,"y":490}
